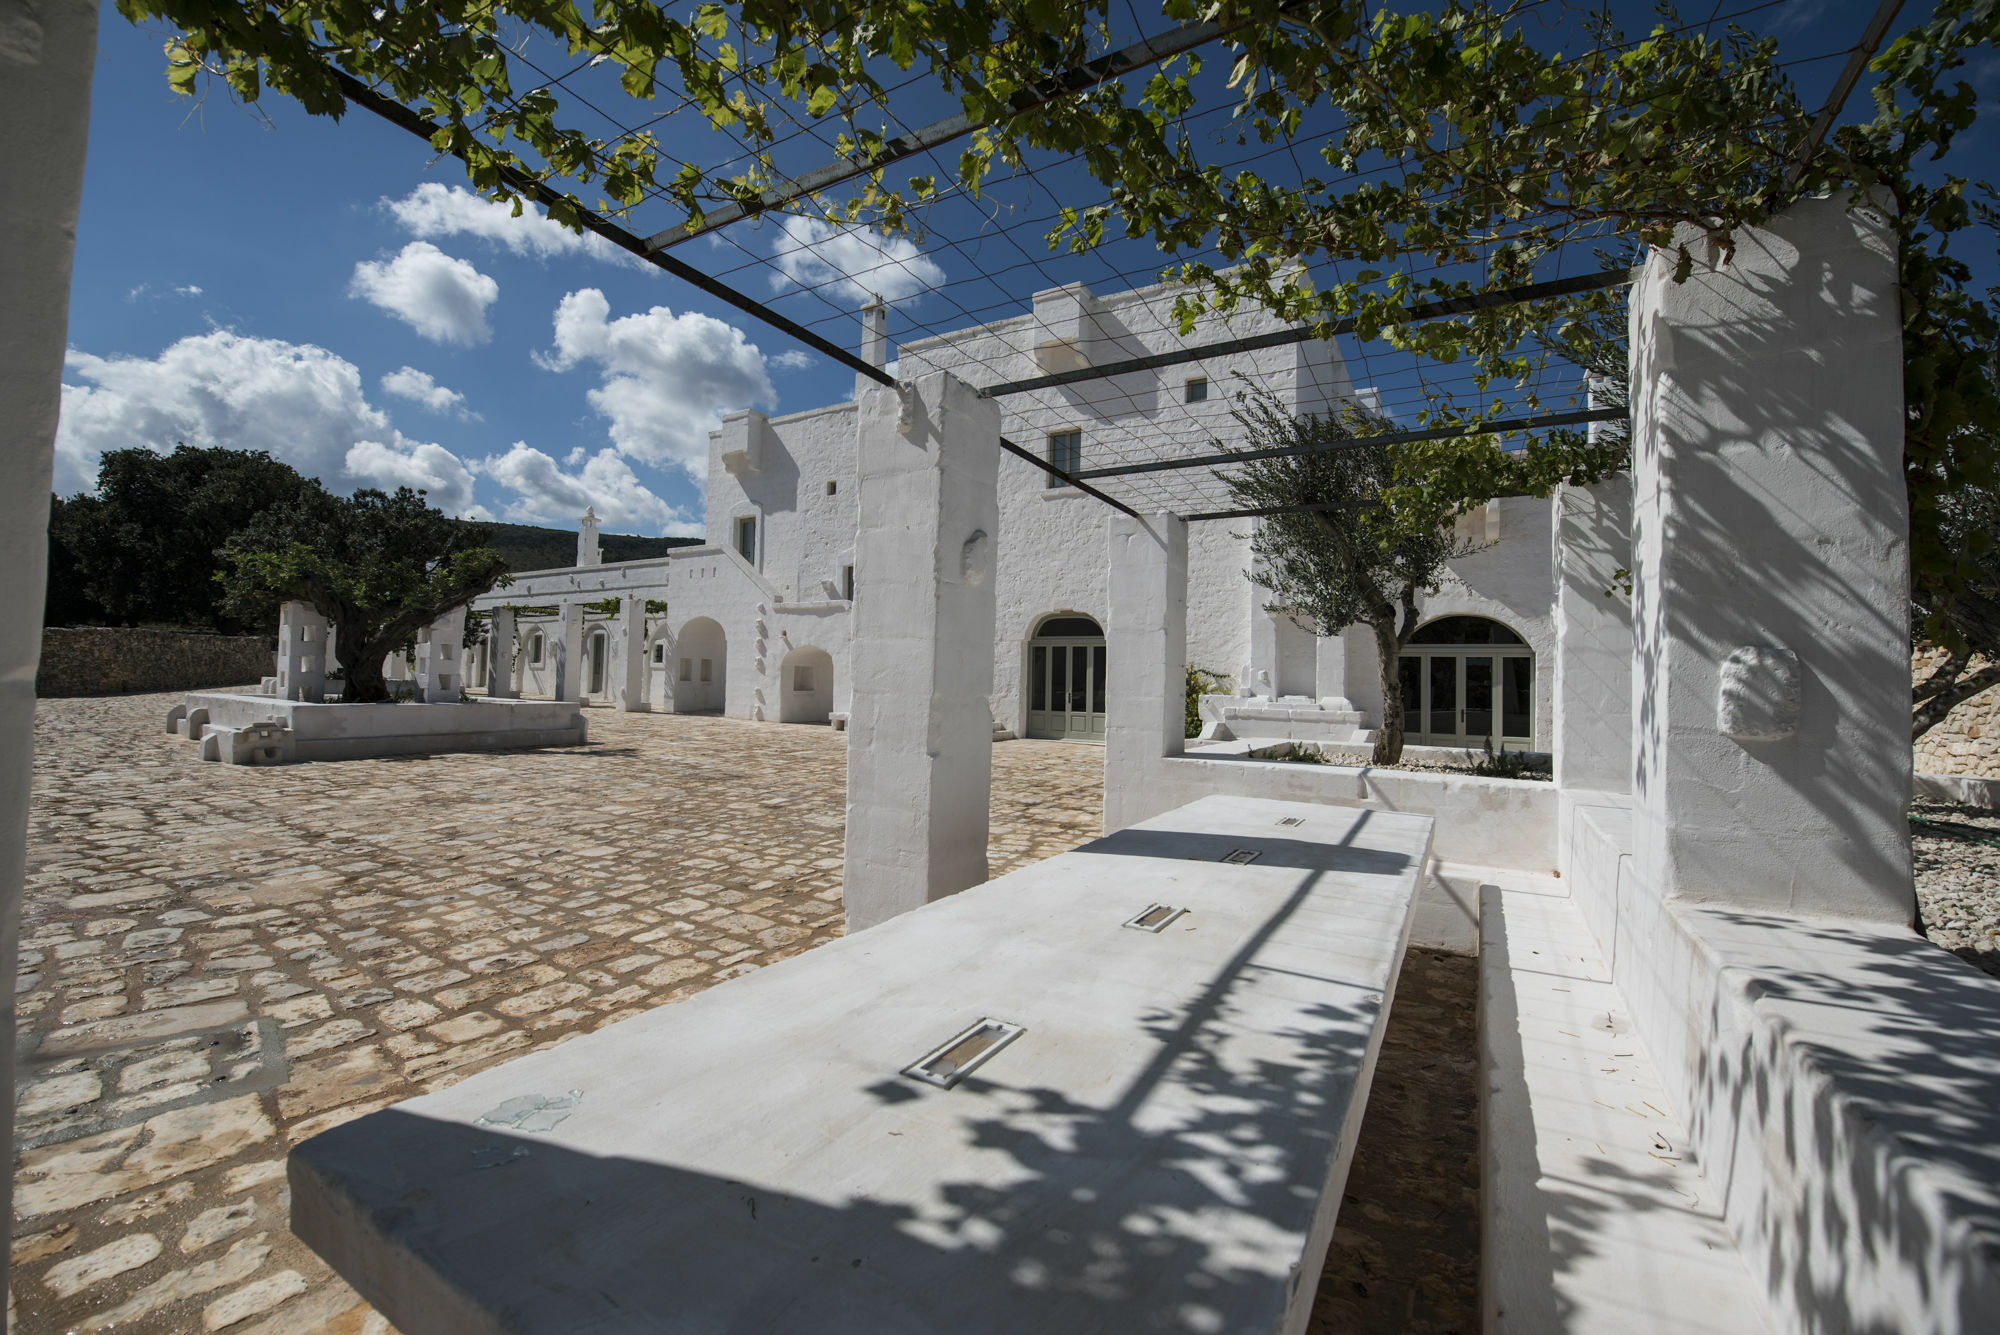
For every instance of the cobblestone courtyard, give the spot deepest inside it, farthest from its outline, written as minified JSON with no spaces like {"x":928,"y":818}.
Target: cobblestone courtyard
{"x":219,"y":962}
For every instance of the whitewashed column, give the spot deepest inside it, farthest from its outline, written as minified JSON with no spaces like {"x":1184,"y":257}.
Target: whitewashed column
{"x":632,"y":656}
{"x":569,"y":654}
{"x":1771,"y":677}
{"x":441,"y":659}
{"x":1592,"y":730}
{"x":1146,"y":652}
{"x":47,"y":52}
{"x":500,"y":654}
{"x":302,"y":649}
{"x":920,"y":729}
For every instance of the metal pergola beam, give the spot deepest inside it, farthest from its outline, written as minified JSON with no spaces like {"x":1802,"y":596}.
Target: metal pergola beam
{"x":1495,"y":426}
{"x":1850,"y":74}
{"x":1105,"y":68}
{"x":1430,"y":310}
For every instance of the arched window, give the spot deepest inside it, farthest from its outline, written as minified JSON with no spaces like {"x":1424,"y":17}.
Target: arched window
{"x":1469,"y":682}
{"x":1465,"y":630}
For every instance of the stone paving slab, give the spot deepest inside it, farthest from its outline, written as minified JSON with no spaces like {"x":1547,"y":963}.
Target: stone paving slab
{"x":217,"y":962}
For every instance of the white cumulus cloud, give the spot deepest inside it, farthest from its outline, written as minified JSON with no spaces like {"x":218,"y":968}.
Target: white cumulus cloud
{"x":407,"y":382}
{"x":667,"y":378}
{"x":436,"y":210}
{"x":545,"y":494}
{"x":441,"y":297}
{"x":301,"y":403}
{"x":850,"y":264}
{"x":792,"y":361}
{"x":407,"y":463}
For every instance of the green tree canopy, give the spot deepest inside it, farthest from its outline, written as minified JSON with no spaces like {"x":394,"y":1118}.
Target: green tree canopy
{"x":378,"y":566}
{"x":146,"y":548}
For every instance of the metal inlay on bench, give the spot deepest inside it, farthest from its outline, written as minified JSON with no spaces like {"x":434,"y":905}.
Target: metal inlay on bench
{"x":1242,"y":856}
{"x":963,"y":1053}
{"x":1154,"y":917}
{"x":1293,"y":820}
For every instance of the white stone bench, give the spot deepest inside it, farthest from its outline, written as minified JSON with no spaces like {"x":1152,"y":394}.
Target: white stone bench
{"x":1161,"y":1146}
{"x":1596,"y":1215}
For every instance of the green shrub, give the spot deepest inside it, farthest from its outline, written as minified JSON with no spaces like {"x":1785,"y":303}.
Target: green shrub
{"x":1201,"y":682}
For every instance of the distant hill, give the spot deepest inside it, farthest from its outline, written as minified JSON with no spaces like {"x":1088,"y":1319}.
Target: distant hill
{"x":525,"y":547}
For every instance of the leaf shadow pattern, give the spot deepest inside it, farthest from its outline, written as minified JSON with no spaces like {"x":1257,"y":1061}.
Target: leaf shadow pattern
{"x":1182,"y":1198}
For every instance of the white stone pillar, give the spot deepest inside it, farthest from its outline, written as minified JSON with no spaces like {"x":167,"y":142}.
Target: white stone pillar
{"x":47,"y":53}
{"x":441,"y":659}
{"x":920,"y":730}
{"x":500,"y":655}
{"x":302,"y":648}
{"x":632,"y":656}
{"x":1146,"y":651}
{"x":569,"y":654}
{"x":1770,"y":557}
{"x":1592,"y":731}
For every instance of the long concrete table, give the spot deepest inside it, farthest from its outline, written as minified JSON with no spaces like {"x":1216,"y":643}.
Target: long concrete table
{"x":1151,"y":1130}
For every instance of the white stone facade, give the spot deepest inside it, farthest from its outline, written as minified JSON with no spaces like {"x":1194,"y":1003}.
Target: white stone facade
{"x":731,"y":624}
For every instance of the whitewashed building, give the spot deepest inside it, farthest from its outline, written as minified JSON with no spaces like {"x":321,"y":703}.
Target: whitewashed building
{"x":754,"y":623}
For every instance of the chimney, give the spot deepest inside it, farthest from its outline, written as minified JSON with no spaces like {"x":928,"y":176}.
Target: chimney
{"x":587,"y":551}
{"x":875,"y":333}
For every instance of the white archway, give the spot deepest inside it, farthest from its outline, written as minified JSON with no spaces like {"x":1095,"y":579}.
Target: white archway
{"x":805,"y":686}
{"x":701,"y":670}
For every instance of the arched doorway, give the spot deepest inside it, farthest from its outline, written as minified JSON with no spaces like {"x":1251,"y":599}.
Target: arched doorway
{"x":1066,"y":679}
{"x":805,"y":686}
{"x":1467,"y":681}
{"x":701,"y":673}
{"x":594,"y":656}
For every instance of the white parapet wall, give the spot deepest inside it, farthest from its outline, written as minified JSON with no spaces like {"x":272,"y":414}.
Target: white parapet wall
{"x":261,"y":729}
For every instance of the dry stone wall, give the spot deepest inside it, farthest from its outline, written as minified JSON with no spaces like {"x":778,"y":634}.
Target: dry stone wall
{"x":1968,"y":740}
{"x":116,"y":660}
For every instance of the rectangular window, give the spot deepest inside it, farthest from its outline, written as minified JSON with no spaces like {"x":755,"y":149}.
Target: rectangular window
{"x":659,"y":653}
{"x":535,"y":651}
{"x":707,"y":669}
{"x":1197,"y":389}
{"x":746,"y":538}
{"x":832,"y":488}
{"x":802,"y":679}
{"x":847,"y":583}
{"x":687,"y":669}
{"x":1066,"y":453}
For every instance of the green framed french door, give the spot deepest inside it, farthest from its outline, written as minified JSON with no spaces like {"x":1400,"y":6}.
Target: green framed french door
{"x":1468,"y":698}
{"x":1066,"y":689}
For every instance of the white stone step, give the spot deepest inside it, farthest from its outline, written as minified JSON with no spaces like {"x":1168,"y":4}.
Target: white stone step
{"x":1596,"y":1217}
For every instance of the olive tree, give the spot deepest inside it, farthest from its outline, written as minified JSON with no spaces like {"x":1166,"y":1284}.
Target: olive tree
{"x":378,"y":566}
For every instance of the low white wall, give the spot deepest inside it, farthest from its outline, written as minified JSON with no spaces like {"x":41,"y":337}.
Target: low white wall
{"x":1837,"y":1079}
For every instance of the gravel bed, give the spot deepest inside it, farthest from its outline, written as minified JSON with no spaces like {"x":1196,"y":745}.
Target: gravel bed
{"x":1958,"y":879}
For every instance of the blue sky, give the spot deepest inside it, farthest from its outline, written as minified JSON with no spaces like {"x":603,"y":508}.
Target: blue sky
{"x":264,"y":279}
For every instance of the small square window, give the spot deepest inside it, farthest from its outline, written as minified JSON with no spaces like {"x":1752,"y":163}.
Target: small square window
{"x":1066,"y":453}
{"x":707,"y":669}
{"x":1197,"y":389}
{"x":687,"y":669}
{"x":802,"y":678}
{"x":832,"y":488}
